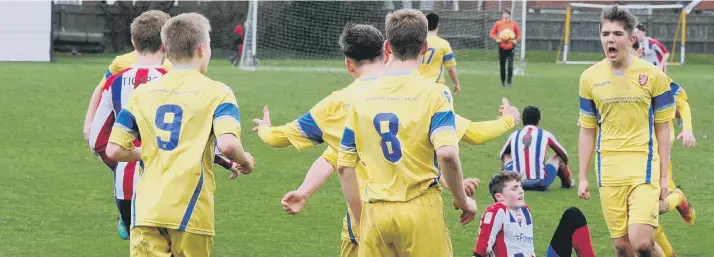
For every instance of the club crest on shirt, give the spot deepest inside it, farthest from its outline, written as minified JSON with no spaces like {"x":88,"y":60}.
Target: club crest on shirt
{"x":448,"y":97}
{"x":643,"y":80}
{"x":527,"y":139}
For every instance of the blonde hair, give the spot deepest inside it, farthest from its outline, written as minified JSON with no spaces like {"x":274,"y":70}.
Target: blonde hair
{"x":183,"y":33}
{"x":146,"y":31}
{"x":406,"y":31}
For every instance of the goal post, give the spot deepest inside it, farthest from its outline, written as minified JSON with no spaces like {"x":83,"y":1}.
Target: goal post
{"x":578,"y":49}
{"x":303,"y":35}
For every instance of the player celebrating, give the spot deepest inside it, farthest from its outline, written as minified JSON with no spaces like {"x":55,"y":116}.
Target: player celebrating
{"x":529,"y":146}
{"x":676,"y":199}
{"x":632,"y":146}
{"x":403,"y":209}
{"x":506,"y":34}
{"x":173,"y":209}
{"x":438,"y":56}
{"x":653,"y":51}
{"x":507,"y":226}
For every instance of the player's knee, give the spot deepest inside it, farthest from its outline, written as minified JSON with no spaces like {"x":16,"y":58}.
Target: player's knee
{"x":642,"y":246}
{"x":573,"y":213}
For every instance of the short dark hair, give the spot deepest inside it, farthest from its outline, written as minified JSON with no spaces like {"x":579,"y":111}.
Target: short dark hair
{"x":498,"y":182}
{"x":530,"y":116}
{"x":361,"y":42}
{"x":617,"y":14}
{"x":641,"y":27}
{"x":433,"y":20}
{"x":636,"y":45}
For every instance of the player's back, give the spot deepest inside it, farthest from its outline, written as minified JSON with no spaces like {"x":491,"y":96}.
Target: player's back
{"x":175,"y":117}
{"x":438,"y":55}
{"x":528,"y":147}
{"x":394,"y":123}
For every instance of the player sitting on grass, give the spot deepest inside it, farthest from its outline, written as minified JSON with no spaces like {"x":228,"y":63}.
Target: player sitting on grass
{"x":625,"y":107}
{"x":438,"y":56}
{"x":525,"y":151}
{"x":357,"y":42}
{"x":181,"y":117}
{"x":676,"y":199}
{"x":507,"y":226}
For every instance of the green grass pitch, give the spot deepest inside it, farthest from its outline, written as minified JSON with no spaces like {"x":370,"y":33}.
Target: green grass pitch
{"x":56,"y":197}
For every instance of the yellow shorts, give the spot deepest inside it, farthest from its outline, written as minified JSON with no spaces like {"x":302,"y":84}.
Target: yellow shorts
{"x":413,"y":228}
{"x":349,"y":245}
{"x":627,"y":205}
{"x":163,"y":242}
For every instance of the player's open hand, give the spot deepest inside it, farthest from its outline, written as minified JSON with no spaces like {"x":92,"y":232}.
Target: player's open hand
{"x":468,"y":211}
{"x":507,"y":109}
{"x":293,"y":202}
{"x":687,"y":138}
{"x":583,"y":190}
{"x":470,"y":185}
{"x":265,"y":121}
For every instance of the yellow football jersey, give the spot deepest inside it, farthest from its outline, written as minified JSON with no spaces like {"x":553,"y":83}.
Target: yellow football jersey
{"x":624,"y":108}
{"x":178,"y":118}
{"x":393,"y":129}
{"x":438,"y":56}
{"x":124,"y":61}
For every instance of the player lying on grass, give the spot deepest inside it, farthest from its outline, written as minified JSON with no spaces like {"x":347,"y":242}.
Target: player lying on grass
{"x":525,"y":151}
{"x":676,"y":199}
{"x":438,"y":56}
{"x":135,"y":68}
{"x":362,"y":47}
{"x":507,"y":226}
{"x":173,"y":212}
{"x":397,"y":184}
{"x":625,"y":107}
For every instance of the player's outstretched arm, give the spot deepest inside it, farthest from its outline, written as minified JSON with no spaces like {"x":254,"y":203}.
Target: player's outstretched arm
{"x":484,"y":131}
{"x":294,"y":201}
{"x":303,"y":133}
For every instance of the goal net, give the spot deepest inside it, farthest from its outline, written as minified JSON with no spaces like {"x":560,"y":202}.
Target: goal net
{"x":303,"y":35}
{"x":581,"y":42}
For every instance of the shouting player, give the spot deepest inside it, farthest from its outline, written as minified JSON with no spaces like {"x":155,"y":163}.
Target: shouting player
{"x":653,"y":51}
{"x":676,"y":199}
{"x":438,"y":56}
{"x":173,"y":210}
{"x":403,"y":210}
{"x":625,"y":105}
{"x":524,"y":153}
{"x":507,"y":226}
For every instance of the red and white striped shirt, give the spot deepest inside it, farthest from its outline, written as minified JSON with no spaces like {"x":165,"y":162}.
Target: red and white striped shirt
{"x":653,"y":51}
{"x":505,"y":233}
{"x":528,"y":147}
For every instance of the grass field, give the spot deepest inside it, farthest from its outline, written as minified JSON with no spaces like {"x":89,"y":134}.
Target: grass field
{"x":56,"y":197}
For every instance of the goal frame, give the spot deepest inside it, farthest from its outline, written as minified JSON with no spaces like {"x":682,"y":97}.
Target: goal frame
{"x":681,"y":30}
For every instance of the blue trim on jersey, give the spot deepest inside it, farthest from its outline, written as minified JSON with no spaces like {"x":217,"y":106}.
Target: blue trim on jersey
{"x":443,"y":119}
{"x":116,"y":88}
{"x":510,"y":215}
{"x":515,"y":151}
{"x":347,"y":143}
{"x":448,"y":57}
{"x":674,"y":88}
{"x":107,"y":74}
{"x":527,"y":215}
{"x":192,"y":203}
{"x":441,"y":71}
{"x":227,"y":109}
{"x":539,"y":141}
{"x":587,"y":107}
{"x":599,"y":156}
{"x":127,"y":121}
{"x":663,"y":101}
{"x":349,"y":228}
{"x":650,"y":150}
{"x":309,"y":128}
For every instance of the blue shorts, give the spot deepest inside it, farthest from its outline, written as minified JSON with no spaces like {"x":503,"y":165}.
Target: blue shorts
{"x":541,"y":184}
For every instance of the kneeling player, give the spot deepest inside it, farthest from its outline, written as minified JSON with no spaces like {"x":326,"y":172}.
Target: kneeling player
{"x":524,"y":153}
{"x":507,"y":226}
